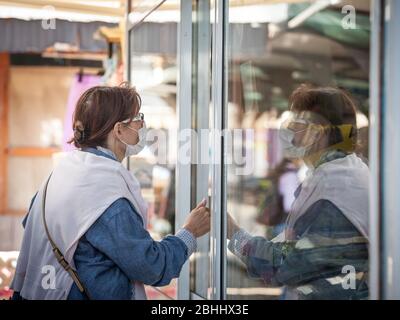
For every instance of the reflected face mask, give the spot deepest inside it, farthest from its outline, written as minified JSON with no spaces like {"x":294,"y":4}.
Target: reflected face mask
{"x":292,"y":125}
{"x":289,"y":149}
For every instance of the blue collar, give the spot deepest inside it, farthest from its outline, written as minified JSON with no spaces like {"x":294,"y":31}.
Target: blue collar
{"x":326,"y":157}
{"x":99,"y":153}
{"x":331,"y":155}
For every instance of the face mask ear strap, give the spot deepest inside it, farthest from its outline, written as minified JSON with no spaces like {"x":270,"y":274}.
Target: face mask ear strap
{"x":320,"y":130}
{"x":133,"y":129}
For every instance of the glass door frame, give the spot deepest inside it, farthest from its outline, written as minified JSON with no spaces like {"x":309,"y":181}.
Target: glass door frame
{"x":384,"y":151}
{"x":216,"y":125}
{"x":216,"y":120}
{"x":219,"y":103}
{"x":375,"y":139}
{"x":184,"y":113}
{"x":389,"y":253}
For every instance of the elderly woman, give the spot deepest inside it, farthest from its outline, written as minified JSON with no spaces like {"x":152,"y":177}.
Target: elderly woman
{"x":323,"y":251}
{"x":85,"y":233}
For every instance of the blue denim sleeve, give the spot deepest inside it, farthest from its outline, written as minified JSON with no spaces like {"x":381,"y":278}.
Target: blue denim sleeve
{"x":119,"y":233}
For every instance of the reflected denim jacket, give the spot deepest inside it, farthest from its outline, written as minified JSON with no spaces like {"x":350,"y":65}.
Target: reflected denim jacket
{"x":326,"y":241}
{"x":312,"y":264}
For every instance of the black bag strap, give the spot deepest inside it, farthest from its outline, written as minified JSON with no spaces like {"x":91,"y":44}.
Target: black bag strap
{"x":59,"y":256}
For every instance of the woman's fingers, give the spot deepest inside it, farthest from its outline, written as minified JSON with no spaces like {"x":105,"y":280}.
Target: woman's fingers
{"x":204,"y":221}
{"x":198,"y":222}
{"x":207,"y":219}
{"x":202,"y":203}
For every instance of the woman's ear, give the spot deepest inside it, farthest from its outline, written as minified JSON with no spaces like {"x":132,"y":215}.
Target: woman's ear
{"x":314,"y":134}
{"x":321,"y":131}
{"x":117,"y":129}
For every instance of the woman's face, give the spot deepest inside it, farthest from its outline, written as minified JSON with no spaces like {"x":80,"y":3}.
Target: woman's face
{"x":302,"y":127}
{"x":302,"y":134}
{"x":125,"y":133}
{"x":129,"y":131}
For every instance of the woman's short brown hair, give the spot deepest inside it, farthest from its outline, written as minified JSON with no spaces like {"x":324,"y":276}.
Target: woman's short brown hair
{"x":99,"y":109}
{"x":332,"y":104}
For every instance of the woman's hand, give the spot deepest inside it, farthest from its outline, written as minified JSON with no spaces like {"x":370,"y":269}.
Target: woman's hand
{"x":198,"y":221}
{"x":232,"y":226}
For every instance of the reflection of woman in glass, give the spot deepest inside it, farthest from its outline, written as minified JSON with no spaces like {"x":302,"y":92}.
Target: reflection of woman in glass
{"x":323,"y":251}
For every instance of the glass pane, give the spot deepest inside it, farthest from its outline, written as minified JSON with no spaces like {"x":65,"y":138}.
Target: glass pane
{"x":298,"y":88}
{"x":154,"y":74}
{"x":201,"y":70}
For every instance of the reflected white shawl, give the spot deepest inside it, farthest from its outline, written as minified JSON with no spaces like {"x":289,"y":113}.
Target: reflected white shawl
{"x":344,"y":182}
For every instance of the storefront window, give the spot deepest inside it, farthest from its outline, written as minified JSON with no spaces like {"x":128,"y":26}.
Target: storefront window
{"x":298,"y":80}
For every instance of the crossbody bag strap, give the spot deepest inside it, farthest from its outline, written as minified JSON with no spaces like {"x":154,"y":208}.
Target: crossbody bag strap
{"x":57,"y":252}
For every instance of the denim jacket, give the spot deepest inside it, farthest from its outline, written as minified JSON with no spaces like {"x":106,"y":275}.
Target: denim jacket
{"x":117,"y":249}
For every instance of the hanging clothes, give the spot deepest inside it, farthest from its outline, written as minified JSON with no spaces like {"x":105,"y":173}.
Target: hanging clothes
{"x":79,"y":85}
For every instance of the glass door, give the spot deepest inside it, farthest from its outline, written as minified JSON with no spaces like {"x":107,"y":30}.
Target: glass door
{"x":200,"y":169}
{"x":297,"y":191}
{"x":205,"y":104}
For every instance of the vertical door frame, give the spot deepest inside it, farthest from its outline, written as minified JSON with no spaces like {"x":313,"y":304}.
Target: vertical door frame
{"x":375,"y":146}
{"x":225,"y":151}
{"x":390,"y":246}
{"x":201,"y":121}
{"x":218,"y":178}
{"x":384,"y":151}
{"x":127,"y":42}
{"x":184,"y":111}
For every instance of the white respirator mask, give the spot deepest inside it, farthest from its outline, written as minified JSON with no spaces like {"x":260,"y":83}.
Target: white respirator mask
{"x":132,"y":150}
